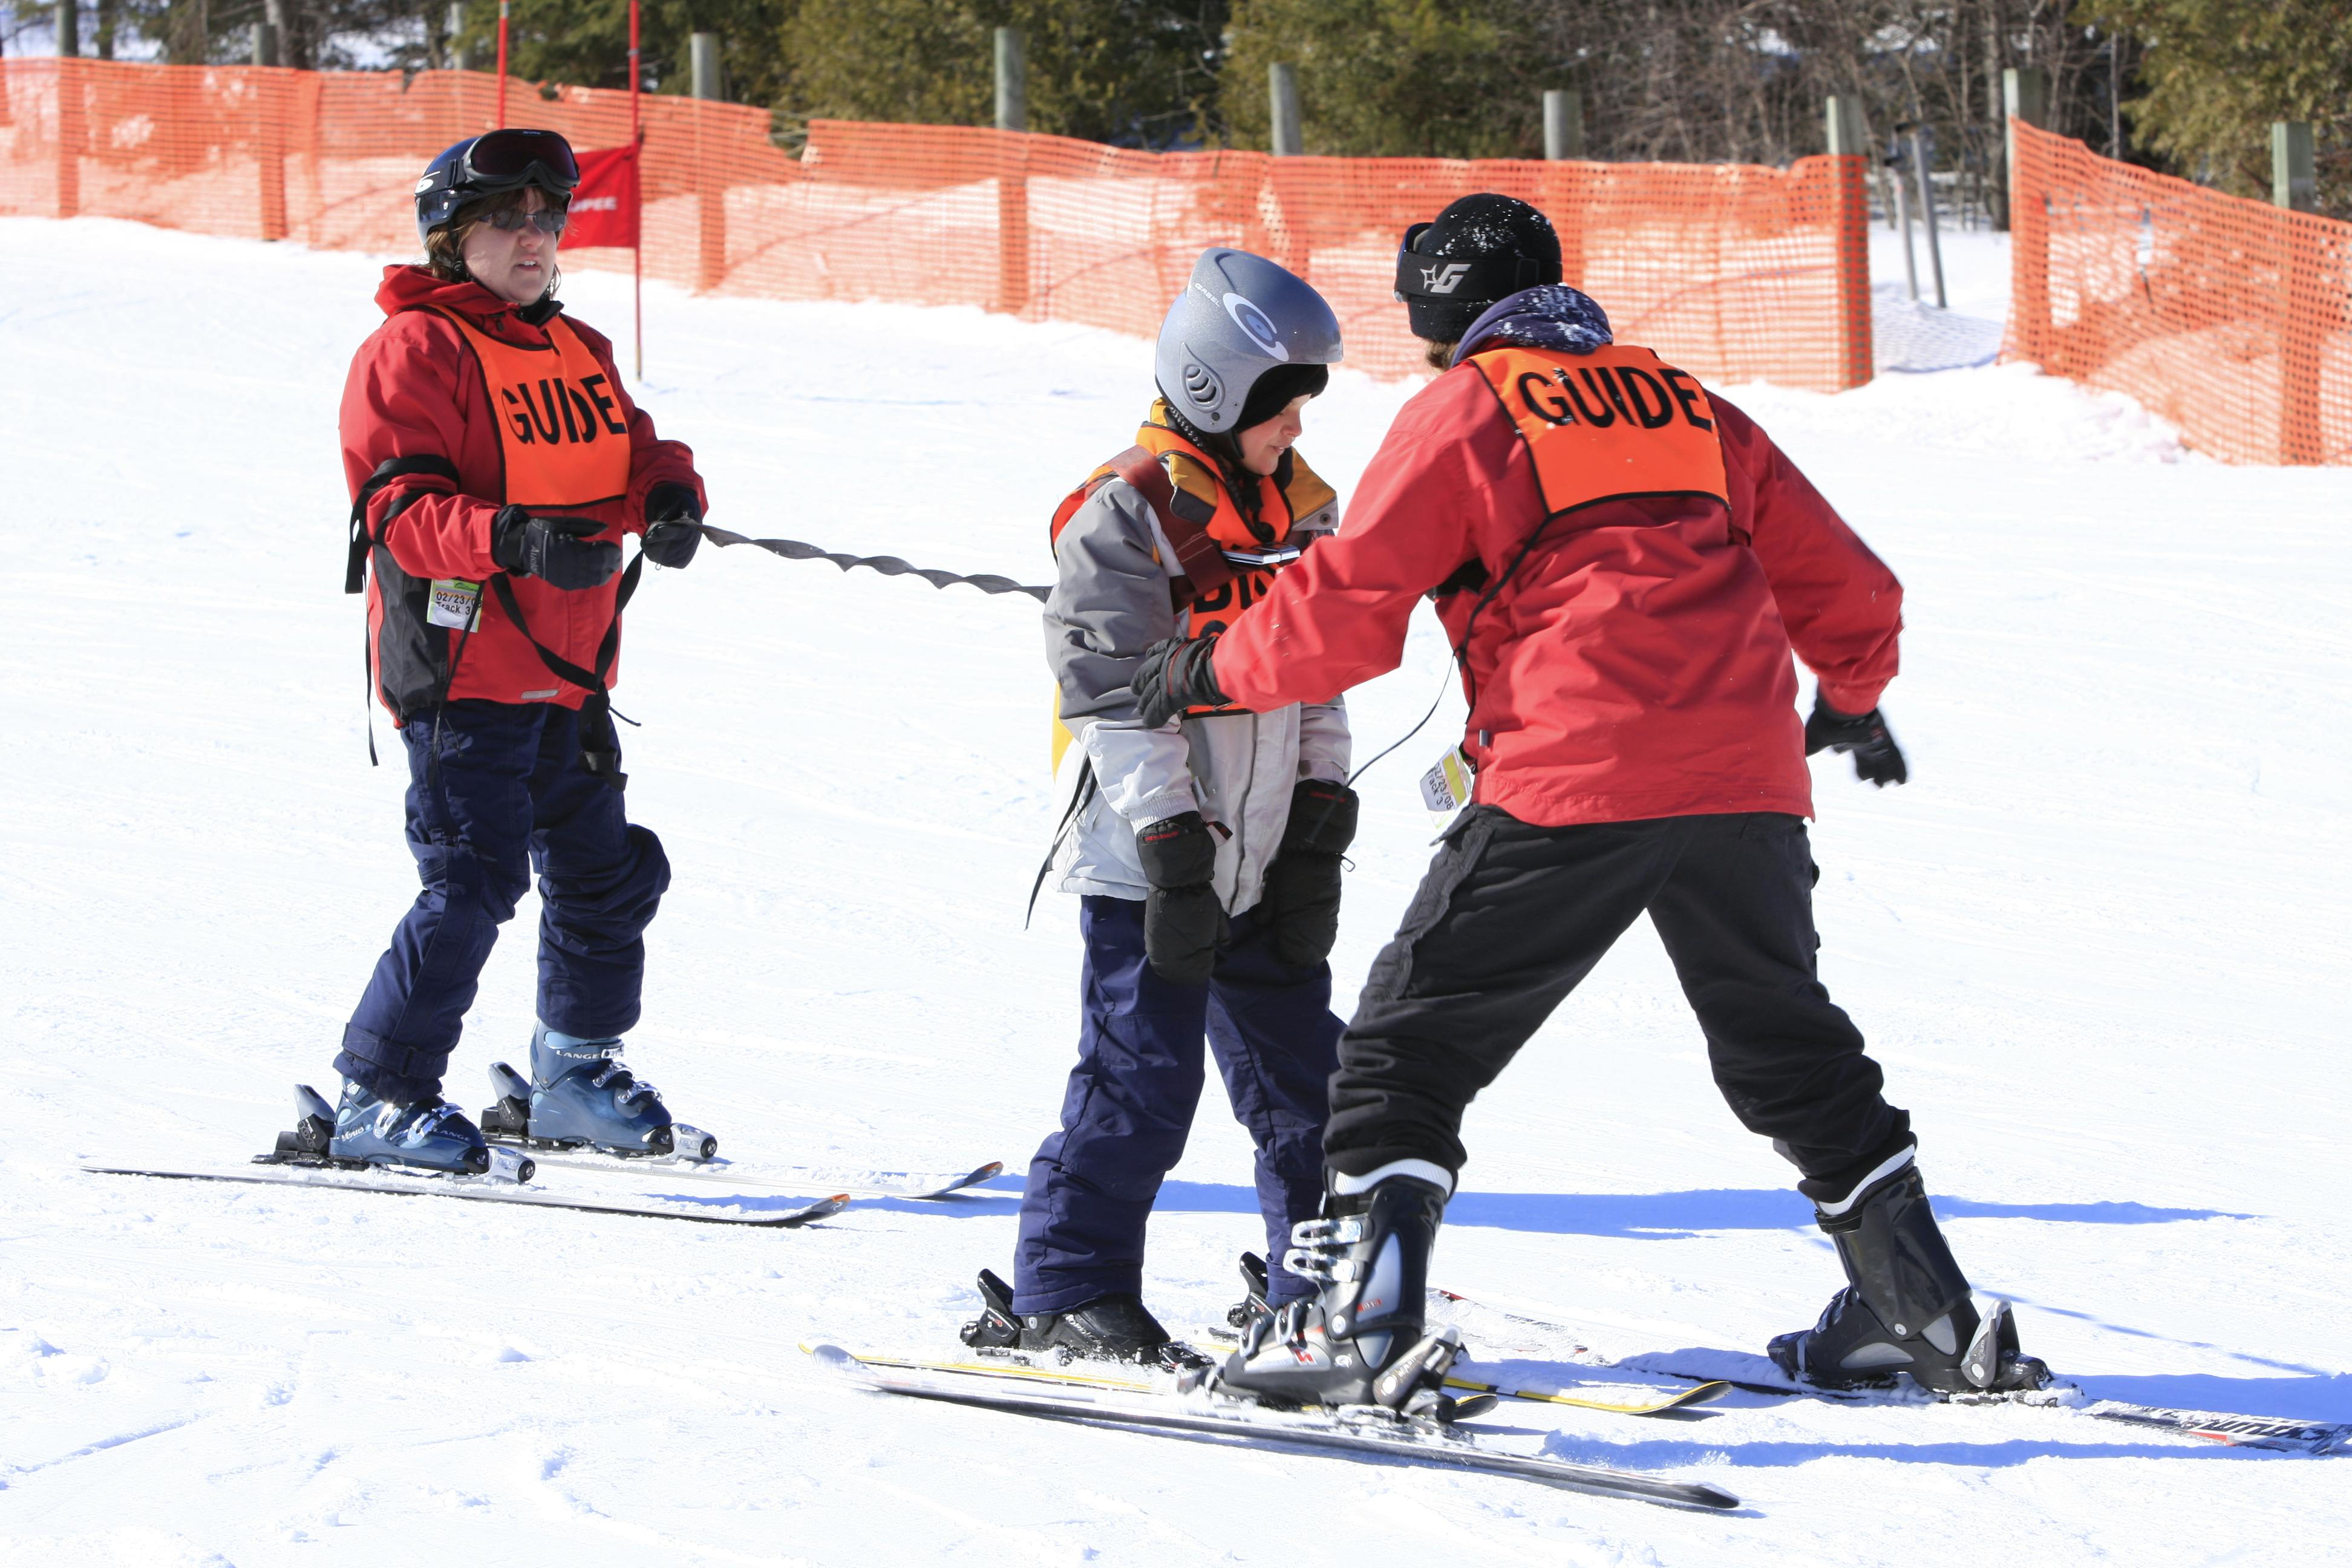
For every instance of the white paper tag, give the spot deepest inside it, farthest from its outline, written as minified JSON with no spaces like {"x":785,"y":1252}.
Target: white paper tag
{"x":456,"y":603}
{"x":1445,"y":788}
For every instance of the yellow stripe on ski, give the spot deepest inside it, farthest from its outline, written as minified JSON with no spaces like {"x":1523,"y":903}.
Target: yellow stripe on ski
{"x":1005,"y":1368}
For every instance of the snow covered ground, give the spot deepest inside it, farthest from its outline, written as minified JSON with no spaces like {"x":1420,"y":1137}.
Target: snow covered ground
{"x":2100,"y":942}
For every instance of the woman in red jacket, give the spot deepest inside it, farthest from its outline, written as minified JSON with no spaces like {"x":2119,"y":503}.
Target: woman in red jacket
{"x":495,"y":463}
{"x":1624,"y":562}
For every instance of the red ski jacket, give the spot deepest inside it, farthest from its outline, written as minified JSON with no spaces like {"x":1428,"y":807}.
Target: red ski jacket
{"x":418,"y":408}
{"x":1635,"y":664}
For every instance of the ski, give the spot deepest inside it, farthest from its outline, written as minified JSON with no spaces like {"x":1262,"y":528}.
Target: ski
{"x":1646,"y":1401}
{"x":873,"y":1183}
{"x":2274,"y":1435}
{"x":1019,"y":1366}
{"x":329,"y":1179}
{"x":1214,"y":1417}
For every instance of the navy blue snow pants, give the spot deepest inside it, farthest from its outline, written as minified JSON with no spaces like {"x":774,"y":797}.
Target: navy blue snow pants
{"x":506,"y":791}
{"x":1131,"y":1097}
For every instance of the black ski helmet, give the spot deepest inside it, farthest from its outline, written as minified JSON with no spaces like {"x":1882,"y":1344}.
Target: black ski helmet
{"x":1481,"y":249}
{"x":488,"y":165}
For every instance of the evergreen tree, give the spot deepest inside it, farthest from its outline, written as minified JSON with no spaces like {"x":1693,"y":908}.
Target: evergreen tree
{"x":1395,"y":78}
{"x":1130,"y":72}
{"x":2218,"y":72}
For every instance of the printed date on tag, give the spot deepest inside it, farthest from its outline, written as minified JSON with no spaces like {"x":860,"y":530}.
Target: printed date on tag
{"x":456,"y":603}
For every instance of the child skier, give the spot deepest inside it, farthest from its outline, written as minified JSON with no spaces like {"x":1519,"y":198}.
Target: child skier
{"x":1205,"y":851}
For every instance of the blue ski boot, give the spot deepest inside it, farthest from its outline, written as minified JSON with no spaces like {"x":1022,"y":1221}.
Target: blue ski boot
{"x":428,"y":1134}
{"x":579,"y":1093}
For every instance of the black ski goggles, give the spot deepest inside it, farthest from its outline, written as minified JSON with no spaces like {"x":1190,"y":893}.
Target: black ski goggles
{"x":550,"y":221}
{"x":505,"y":159}
{"x":1495,"y":276}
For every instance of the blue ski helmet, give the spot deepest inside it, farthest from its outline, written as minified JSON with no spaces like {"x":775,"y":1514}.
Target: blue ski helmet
{"x":488,"y":165}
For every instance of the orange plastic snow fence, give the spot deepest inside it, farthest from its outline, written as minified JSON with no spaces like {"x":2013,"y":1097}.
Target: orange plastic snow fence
{"x":2225,"y":316}
{"x":1737,"y":273}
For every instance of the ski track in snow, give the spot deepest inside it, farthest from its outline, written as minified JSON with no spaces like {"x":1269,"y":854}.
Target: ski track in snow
{"x":2099,"y":943}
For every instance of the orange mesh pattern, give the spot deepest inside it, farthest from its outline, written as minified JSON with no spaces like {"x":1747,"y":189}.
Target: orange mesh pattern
{"x":1735,"y":272}
{"x":2225,"y":316}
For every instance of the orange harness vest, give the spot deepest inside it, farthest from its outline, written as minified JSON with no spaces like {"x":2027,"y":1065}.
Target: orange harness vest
{"x":1607,"y":425}
{"x":1204,"y":525}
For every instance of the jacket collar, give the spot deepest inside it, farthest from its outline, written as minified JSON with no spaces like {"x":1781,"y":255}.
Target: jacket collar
{"x":412,"y":287}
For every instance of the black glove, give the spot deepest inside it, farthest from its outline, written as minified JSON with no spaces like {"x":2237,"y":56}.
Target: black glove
{"x":1184,"y":923}
{"x":554,"y":549}
{"x":1175,"y":674}
{"x":1302,"y":886}
{"x":673,"y":525}
{"x":1876,"y":757}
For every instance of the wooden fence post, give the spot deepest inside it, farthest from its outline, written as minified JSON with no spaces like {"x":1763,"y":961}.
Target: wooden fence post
{"x":2294,"y":182}
{"x":1563,"y":120}
{"x":269,"y":105}
{"x":71,"y":134}
{"x":1851,"y":214}
{"x":710,"y":187}
{"x":2025,"y":93}
{"x":1282,"y":88}
{"x":68,"y":13}
{"x":2294,"y":188}
{"x":1012,"y":171}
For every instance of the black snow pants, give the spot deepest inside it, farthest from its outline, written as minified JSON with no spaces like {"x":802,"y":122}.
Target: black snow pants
{"x":1512,"y":916}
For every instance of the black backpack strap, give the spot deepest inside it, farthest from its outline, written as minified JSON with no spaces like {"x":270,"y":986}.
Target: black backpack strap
{"x":390,"y":468}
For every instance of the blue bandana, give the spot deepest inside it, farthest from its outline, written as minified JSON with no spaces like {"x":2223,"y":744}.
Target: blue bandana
{"x":1548,"y":316}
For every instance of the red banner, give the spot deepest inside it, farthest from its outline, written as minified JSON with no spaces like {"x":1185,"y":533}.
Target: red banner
{"x":604,"y":206}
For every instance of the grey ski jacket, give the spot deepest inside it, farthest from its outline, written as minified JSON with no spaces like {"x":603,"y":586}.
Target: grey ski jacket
{"x":1110,"y":602}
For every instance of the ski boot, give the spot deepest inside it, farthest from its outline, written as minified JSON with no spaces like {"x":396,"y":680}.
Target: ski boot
{"x":1108,"y":1327}
{"x":580,"y":1093}
{"x":1253,"y":1304}
{"x":1907,"y":1307}
{"x":1360,"y":1341}
{"x":428,"y":1134}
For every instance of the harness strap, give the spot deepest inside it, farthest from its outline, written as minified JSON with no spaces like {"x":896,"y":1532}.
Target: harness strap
{"x":600,"y":746}
{"x":1203,"y":568}
{"x":1080,"y":796}
{"x":390,"y":468}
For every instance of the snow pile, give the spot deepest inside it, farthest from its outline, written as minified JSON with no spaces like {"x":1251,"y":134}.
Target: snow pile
{"x":2098,"y":942}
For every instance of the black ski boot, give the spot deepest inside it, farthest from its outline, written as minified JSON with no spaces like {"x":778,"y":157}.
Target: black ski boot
{"x":1361,"y":1340}
{"x":1252,"y":1305}
{"x":1907,"y":1307}
{"x":1108,"y":1327}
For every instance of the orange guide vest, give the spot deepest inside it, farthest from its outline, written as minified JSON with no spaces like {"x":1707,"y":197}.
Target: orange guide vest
{"x":562,"y":440}
{"x":1607,"y":425}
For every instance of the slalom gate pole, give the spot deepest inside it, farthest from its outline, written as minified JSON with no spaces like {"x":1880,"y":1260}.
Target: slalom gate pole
{"x":502,"y":64}
{"x":638,"y":186}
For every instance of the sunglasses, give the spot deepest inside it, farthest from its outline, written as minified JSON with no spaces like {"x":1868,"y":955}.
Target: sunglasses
{"x":547,"y":220}
{"x":513,"y":157}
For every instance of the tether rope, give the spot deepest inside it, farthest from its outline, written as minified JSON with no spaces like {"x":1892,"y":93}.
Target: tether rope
{"x":888,"y":565}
